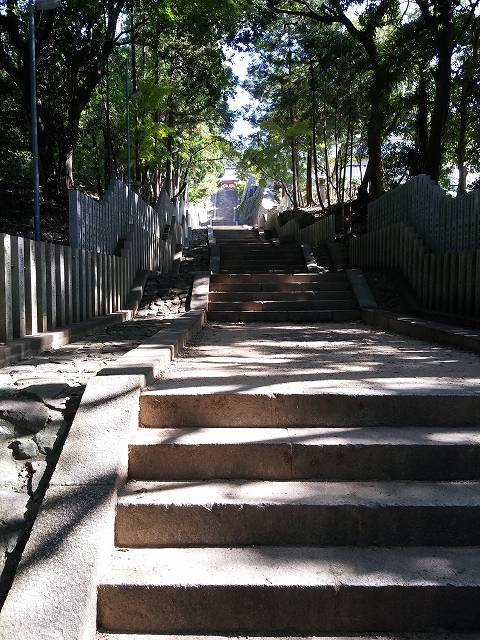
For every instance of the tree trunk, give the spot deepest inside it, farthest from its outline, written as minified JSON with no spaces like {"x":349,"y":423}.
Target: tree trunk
{"x":309,"y":184}
{"x":375,"y":129}
{"x":441,"y":106}
{"x":314,"y":136}
{"x":468,"y":70}
{"x":422,"y":126}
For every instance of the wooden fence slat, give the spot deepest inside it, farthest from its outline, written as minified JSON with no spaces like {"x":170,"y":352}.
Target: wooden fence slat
{"x":60,"y":284}
{"x":18,"y":286}
{"x":41,"y":282}
{"x":68,"y":286}
{"x":31,"y":323}
{"x":6,"y":320}
{"x":76,"y":286}
{"x":51,"y":287}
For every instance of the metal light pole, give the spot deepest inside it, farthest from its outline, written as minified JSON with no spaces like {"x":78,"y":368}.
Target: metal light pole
{"x":43,"y":5}
{"x":33,"y":109}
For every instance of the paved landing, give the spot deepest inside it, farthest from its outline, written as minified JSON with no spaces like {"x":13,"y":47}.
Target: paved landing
{"x":327,"y":358}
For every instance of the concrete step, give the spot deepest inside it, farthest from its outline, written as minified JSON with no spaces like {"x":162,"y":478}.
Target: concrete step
{"x":283,"y":305}
{"x":321,"y":453}
{"x":238,"y":513}
{"x":396,"y":636}
{"x":328,"y":315}
{"x":248,"y":260}
{"x":290,"y":590}
{"x":401,"y":409}
{"x":248,"y":243}
{"x":262,"y":250}
{"x":248,"y":266}
{"x":297,"y":278}
{"x":326,"y":285}
{"x":260,"y":270}
{"x":264,"y":296}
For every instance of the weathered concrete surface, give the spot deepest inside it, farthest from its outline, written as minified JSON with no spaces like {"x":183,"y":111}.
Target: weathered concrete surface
{"x":332,"y":358}
{"x":238,"y":513}
{"x":53,"y":594}
{"x":317,"y":453}
{"x":424,"y":329}
{"x":280,"y":590}
{"x":396,"y":636}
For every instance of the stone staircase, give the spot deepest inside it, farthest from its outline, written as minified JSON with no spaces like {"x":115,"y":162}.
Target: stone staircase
{"x":239,"y":521}
{"x":268,"y":281}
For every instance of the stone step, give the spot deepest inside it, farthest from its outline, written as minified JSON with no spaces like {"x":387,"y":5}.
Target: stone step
{"x":252,"y":286}
{"x":297,"y":278}
{"x":321,"y":453}
{"x":290,"y":590}
{"x":283,"y":305}
{"x":264,"y":296}
{"x":251,"y":266}
{"x":401,"y":409}
{"x":328,"y":315}
{"x":259,"y":252}
{"x":252,"y":261}
{"x":238,"y":513}
{"x":260,"y":270}
{"x":247,"y":243}
{"x":262,"y":250}
{"x":396,"y":636}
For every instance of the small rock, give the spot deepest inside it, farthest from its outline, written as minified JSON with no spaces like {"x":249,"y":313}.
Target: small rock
{"x":23,"y":449}
{"x":38,"y":469}
{"x":46,"y":440}
{"x":27,"y":416}
{"x":53,"y":394}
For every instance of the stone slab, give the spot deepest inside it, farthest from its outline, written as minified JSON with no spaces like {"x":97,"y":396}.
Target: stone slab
{"x":361,"y":290}
{"x":53,"y":594}
{"x":210,"y":409}
{"x":237,"y":513}
{"x":95,"y":452}
{"x":416,"y":327}
{"x":395,"y":636}
{"x":290,"y":590}
{"x":321,"y":453}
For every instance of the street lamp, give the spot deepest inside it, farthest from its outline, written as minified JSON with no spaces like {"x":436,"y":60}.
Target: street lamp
{"x":42,"y":5}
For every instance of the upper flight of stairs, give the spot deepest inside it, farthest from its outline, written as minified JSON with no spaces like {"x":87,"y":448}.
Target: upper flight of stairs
{"x":296,"y":531}
{"x":268,"y":281}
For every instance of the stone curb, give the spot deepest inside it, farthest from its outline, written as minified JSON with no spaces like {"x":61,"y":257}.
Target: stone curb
{"x":200,"y":290}
{"x":312,"y":266}
{"x":361,"y":289}
{"x":337,"y":258}
{"x":154,"y":355}
{"x":447,"y":335}
{"x":214,"y":258}
{"x":54,"y":591}
{"x":16,"y":350}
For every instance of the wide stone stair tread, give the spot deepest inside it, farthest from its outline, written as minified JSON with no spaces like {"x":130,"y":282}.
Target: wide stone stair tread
{"x":282,"y":305}
{"x":324,"y":453}
{"x":218,"y":286}
{"x":297,"y":278}
{"x":328,"y":315}
{"x":226,"y":513}
{"x":293,"y":590}
{"x":270,"y":493}
{"x":396,"y":636}
{"x":266,"y":296}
